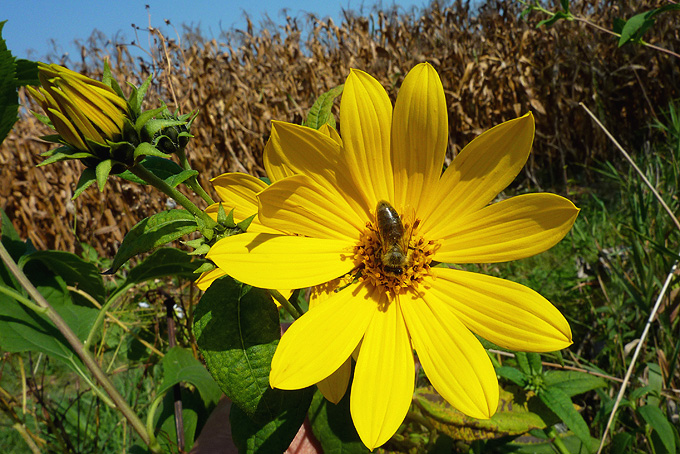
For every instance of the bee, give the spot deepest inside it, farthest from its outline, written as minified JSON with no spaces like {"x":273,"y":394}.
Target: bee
{"x":394,"y":243}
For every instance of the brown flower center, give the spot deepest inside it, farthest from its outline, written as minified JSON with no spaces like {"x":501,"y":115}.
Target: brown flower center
{"x":393,"y":266}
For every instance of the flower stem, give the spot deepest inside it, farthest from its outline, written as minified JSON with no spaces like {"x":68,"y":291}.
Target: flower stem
{"x":193,"y":181}
{"x":143,"y":173}
{"x":77,"y":346}
{"x":556,"y":440}
{"x":285,"y":303}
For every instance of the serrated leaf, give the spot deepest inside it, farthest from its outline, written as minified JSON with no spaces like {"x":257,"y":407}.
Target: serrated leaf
{"x":573,"y":383}
{"x":333,"y":427}
{"x":152,"y":232}
{"x":320,"y":112}
{"x":659,"y":423}
{"x":512,"y":417}
{"x":27,"y":72}
{"x":9,"y":98}
{"x":237,"y":330}
{"x":560,"y":404}
{"x":87,"y":179}
{"x":164,"y":262}
{"x":73,"y":270}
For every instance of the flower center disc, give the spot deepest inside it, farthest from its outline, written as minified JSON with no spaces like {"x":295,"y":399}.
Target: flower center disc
{"x":369,"y":255}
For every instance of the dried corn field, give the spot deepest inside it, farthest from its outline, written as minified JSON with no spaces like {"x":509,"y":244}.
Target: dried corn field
{"x":494,"y":66}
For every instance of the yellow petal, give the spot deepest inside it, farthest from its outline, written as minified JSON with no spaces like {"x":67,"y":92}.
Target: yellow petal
{"x":276,"y":167}
{"x":206,"y":279}
{"x":320,"y":341}
{"x":239,"y":190}
{"x":366,"y":114}
{"x":297,"y":205}
{"x":506,"y":313}
{"x":485,"y":167}
{"x":513,"y":229}
{"x":280,"y":261}
{"x":334,"y":386}
{"x":453,"y":359}
{"x":330,"y":131}
{"x":66,"y":129}
{"x":295,"y":149}
{"x":384,"y":378}
{"x":420,"y":134}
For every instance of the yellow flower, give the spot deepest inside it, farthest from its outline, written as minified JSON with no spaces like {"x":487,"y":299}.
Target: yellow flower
{"x":398,"y":300}
{"x":81,"y":109}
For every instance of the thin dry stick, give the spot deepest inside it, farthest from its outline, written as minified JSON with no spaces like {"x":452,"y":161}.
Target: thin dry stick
{"x":632,"y":163}
{"x":626,"y":379}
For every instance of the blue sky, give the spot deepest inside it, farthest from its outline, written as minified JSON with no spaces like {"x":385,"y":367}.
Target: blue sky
{"x":33,"y":24}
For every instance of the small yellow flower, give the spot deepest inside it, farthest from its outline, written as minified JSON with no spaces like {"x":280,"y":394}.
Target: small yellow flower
{"x":83,"y":111}
{"x":375,"y":210}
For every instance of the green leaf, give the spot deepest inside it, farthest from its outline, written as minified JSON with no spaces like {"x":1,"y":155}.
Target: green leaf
{"x":162,"y":167}
{"x":332,"y":425}
{"x":573,"y":383}
{"x":273,"y":436}
{"x":64,"y":154}
{"x":557,"y":16}
{"x":621,"y":442}
{"x":523,"y":362}
{"x":137,"y":96}
{"x":320,"y":112}
{"x":560,"y":404}
{"x":194,"y":415}
{"x":152,"y":232}
{"x":164,"y":262}
{"x":27,"y":72}
{"x":237,"y":330}
{"x":9,"y":98}
{"x":535,"y":363}
{"x":22,"y":330}
{"x":73,"y":270}
{"x":512,"y":417}
{"x":565,"y":5}
{"x":635,"y":27}
{"x":659,"y":423}
{"x":514,"y":375}
{"x":180,"y":366}
{"x":146,"y":149}
{"x":102,"y":172}
{"x":87,"y":179}
{"x":181,"y":177}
